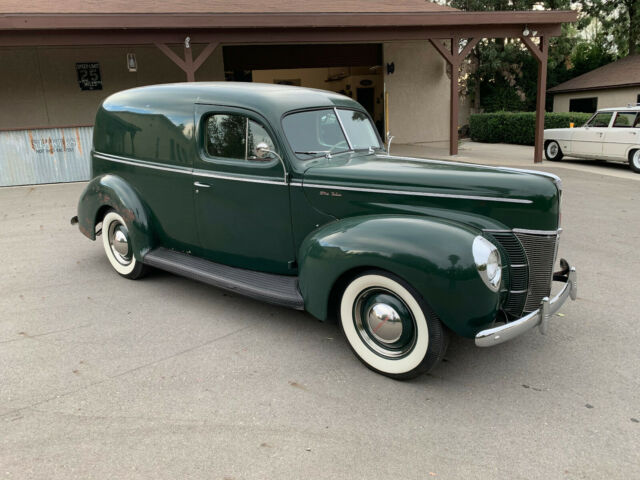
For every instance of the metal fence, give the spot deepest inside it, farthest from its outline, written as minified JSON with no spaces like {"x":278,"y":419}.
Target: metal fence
{"x":49,"y":155}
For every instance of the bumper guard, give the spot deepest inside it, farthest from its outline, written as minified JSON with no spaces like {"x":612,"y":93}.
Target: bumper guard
{"x":494,"y":336}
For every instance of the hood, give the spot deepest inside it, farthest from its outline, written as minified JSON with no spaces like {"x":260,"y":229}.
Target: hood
{"x":487,"y":197}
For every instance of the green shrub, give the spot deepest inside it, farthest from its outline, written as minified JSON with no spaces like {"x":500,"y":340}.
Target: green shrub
{"x":517,"y":127}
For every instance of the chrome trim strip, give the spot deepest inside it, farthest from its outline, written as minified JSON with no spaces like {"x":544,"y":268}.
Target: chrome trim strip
{"x":536,"y":232}
{"x":540,"y":317}
{"x":518,"y":291}
{"x":199,"y":173}
{"x":520,"y":265}
{"x":139,"y":163}
{"x":204,"y":173}
{"x":419,"y":194}
{"x":344,"y":130}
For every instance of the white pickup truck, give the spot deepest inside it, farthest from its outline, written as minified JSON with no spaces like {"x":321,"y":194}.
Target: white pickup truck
{"x":610,"y":134}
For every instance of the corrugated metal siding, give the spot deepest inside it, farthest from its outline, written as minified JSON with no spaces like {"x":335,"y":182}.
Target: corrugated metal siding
{"x":49,"y":155}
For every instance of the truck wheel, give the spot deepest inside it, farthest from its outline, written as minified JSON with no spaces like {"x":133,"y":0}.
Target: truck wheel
{"x":634,"y":160}
{"x":117,"y":245}
{"x":553,"y":152}
{"x":389,"y":327}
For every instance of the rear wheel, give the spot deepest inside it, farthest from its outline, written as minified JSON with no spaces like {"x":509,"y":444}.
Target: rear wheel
{"x":553,"y":152}
{"x":634,"y":160}
{"x":389,"y":326}
{"x":117,"y":245}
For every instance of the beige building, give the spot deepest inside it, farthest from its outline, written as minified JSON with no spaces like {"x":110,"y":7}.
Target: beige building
{"x":400,"y":60}
{"x":614,"y":85}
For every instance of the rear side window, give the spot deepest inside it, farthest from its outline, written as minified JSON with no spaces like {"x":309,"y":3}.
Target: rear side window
{"x":600,"y":119}
{"x":625,"y":119}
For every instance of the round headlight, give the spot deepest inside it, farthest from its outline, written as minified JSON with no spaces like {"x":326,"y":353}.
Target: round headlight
{"x":488,"y":262}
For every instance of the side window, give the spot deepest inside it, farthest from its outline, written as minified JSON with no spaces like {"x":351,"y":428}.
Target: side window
{"x":257,"y":135}
{"x":234,"y":136}
{"x":625,"y":120}
{"x":226,"y":136}
{"x":600,"y":120}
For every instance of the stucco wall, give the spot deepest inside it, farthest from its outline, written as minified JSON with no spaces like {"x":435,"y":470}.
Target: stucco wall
{"x":39,"y":86}
{"x":618,"y":97}
{"x":418,"y":93}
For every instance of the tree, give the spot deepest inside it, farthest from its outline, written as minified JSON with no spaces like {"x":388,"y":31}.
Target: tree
{"x":620,"y":21}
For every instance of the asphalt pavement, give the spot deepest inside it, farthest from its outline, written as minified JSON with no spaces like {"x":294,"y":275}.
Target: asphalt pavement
{"x":167,"y":378}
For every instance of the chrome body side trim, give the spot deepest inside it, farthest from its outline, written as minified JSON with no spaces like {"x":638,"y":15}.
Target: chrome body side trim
{"x":413,"y":193}
{"x":234,"y":178}
{"x":189,"y":171}
{"x":538,"y":318}
{"x":140,"y":163}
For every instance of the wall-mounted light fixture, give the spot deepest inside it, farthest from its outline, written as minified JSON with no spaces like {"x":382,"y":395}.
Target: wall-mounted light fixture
{"x":391,"y":67}
{"x":187,"y":42}
{"x":132,"y":63}
{"x":526,"y":32}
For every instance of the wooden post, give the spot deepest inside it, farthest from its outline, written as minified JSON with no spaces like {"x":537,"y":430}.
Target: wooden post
{"x":188,"y":65}
{"x":454,"y":58}
{"x":541,"y":53}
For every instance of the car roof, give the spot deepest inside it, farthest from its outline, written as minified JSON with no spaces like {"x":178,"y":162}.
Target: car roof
{"x":271,"y":100}
{"x":628,"y":108}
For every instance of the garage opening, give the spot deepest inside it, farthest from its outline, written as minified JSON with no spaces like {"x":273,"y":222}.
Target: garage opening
{"x":354,"y":70}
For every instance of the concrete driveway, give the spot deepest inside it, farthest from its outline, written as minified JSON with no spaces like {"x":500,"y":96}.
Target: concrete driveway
{"x":166,"y":378}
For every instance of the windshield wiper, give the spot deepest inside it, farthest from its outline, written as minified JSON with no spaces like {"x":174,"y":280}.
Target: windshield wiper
{"x":326,"y":153}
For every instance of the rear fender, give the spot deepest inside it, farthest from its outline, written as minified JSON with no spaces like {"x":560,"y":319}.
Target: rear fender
{"x":113,"y":192}
{"x":433,"y":255}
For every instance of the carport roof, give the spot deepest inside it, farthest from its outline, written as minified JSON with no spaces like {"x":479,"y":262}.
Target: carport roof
{"x":18,"y":15}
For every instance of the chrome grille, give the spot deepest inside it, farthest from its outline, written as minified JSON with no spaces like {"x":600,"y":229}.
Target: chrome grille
{"x":541,"y":251}
{"x":516,"y":274}
{"x":530,"y":257}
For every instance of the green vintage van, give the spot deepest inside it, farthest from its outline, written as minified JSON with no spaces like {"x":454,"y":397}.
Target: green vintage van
{"x":287,"y":195}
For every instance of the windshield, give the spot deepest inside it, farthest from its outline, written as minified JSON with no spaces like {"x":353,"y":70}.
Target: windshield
{"x":318,"y":132}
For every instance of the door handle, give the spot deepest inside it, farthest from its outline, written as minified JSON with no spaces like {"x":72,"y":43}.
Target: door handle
{"x":201,"y":185}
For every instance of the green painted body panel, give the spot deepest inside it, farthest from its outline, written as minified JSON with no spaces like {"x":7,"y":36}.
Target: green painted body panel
{"x":352,"y":211}
{"x":434,"y":255}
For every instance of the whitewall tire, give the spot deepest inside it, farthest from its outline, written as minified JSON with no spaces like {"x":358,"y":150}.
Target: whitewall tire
{"x":634,"y":161}
{"x":118,"y":248}
{"x":389,"y":327}
{"x":552,"y":151}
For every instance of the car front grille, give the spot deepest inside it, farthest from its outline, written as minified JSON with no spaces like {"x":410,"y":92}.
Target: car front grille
{"x":530,"y":259}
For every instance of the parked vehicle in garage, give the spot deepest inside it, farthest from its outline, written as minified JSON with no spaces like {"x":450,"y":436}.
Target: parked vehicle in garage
{"x":610,"y":134}
{"x":286,"y":194}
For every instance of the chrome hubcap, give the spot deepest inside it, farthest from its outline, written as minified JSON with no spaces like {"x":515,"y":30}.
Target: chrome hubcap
{"x":553,"y":149}
{"x":384,"y":323}
{"x":636,"y":159}
{"x":119,"y":242}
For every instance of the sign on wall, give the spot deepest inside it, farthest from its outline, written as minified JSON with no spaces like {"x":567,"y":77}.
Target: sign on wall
{"x":89,"y":76}
{"x":48,"y":155}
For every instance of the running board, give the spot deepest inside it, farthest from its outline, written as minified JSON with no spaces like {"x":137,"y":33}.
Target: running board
{"x":268,"y":287}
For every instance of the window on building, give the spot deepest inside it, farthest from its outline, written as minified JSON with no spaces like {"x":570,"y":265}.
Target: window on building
{"x":583,"y":105}
{"x":625,"y":120}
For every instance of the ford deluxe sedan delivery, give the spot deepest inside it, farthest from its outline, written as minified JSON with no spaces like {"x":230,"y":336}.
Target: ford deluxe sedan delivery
{"x":287,"y":195}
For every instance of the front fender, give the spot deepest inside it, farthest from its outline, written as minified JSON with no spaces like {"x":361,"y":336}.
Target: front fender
{"x":114,"y":192}
{"x":433,"y":255}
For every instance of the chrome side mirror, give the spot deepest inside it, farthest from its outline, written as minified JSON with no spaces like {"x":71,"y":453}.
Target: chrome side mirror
{"x":263,"y":150}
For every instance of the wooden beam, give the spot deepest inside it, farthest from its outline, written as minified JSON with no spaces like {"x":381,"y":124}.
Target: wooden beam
{"x":208,"y":50}
{"x":188,"y":65}
{"x":172,"y":55}
{"x":541,"y":53}
{"x":447,"y":55}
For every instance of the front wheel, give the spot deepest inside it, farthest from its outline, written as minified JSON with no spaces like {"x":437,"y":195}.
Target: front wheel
{"x":634,"y":161}
{"x":117,"y":245}
{"x":553,"y":152}
{"x":389,"y":327}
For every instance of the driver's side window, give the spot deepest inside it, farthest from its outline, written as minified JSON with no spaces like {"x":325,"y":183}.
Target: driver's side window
{"x":235,"y":137}
{"x":600,"y":120}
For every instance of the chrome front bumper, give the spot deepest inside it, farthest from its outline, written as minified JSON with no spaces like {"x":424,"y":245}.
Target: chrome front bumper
{"x":503,"y":333}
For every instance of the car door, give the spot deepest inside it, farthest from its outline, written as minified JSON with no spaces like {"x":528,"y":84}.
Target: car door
{"x":587,"y":141}
{"x":621,"y":136}
{"x":241,"y":201}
